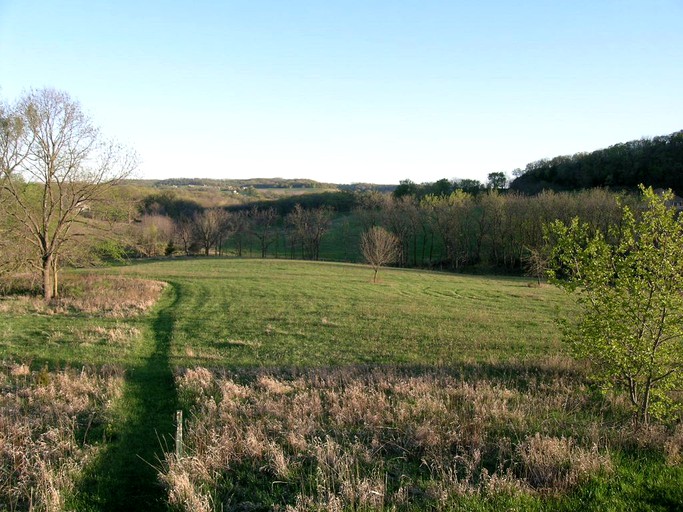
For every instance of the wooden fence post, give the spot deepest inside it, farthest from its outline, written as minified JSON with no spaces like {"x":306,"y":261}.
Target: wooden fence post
{"x":179,"y":434}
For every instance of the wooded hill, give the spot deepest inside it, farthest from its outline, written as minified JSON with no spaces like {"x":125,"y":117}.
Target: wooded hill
{"x":656,"y":162}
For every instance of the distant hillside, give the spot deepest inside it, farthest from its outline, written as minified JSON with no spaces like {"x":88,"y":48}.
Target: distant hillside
{"x":258,"y":183}
{"x":657,"y":162}
{"x":364,"y":187}
{"x":263,"y":188}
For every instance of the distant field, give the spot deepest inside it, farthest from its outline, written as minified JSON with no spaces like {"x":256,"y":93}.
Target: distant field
{"x":273,"y":192}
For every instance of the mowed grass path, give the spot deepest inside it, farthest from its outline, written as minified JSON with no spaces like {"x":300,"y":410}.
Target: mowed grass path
{"x":282,"y":313}
{"x":124,"y":477}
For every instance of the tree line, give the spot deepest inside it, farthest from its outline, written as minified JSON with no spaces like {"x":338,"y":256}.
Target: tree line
{"x":655,"y":162}
{"x":457,"y":231}
{"x":491,"y":229}
{"x":444,"y":186}
{"x":255,"y":231}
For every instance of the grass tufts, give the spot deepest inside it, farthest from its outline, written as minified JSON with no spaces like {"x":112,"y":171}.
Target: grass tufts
{"x":386,"y":438}
{"x":108,"y":296}
{"x":47,"y":428}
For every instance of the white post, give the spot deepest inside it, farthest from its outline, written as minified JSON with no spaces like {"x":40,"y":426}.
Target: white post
{"x":179,"y":434}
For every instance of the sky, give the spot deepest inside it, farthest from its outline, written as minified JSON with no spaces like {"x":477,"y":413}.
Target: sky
{"x":347,"y":91}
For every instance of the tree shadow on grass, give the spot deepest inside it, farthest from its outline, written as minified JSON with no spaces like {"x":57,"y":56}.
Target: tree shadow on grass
{"x":124,"y":477}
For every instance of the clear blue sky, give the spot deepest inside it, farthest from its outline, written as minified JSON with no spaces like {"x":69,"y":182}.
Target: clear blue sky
{"x":357,"y":90}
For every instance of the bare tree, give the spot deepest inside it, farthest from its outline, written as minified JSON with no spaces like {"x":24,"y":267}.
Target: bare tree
{"x":240,"y":230}
{"x":379,"y":247}
{"x":210,"y":225}
{"x":309,"y":226}
{"x":184,"y":232}
{"x":227,"y":228}
{"x":263,"y":227}
{"x":53,"y":165}
{"x":536,"y":262}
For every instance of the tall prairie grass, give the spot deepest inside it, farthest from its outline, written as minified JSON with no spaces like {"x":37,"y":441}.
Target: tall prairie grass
{"x":49,"y":425}
{"x":107,"y":296}
{"x":392,"y":438}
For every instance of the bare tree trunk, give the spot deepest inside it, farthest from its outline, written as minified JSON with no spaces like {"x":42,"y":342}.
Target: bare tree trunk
{"x":48,"y":289}
{"x":644,"y":413}
{"x":55,"y":277}
{"x":431,"y":248}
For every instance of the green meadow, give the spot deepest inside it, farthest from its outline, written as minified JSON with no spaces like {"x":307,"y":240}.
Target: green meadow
{"x":281,"y":313}
{"x":280,"y":327}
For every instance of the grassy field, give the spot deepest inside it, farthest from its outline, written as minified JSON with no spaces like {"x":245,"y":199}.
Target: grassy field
{"x":426,"y":390}
{"x":280,"y":313}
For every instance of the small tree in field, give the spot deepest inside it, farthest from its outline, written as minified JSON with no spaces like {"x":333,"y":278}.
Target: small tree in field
{"x":535,"y":263}
{"x":378,"y":247}
{"x":630,"y":292}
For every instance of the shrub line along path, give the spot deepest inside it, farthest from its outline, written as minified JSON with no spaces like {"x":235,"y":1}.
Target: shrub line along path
{"x":124,"y":476}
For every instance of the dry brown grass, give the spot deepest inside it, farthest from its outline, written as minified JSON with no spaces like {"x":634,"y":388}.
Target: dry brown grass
{"x":558,"y":464}
{"x":109,"y":296}
{"x":45,"y":420}
{"x":674,"y":447}
{"x":384,"y":438}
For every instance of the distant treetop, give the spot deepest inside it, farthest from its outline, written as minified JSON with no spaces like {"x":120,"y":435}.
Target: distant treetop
{"x":439,"y":188}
